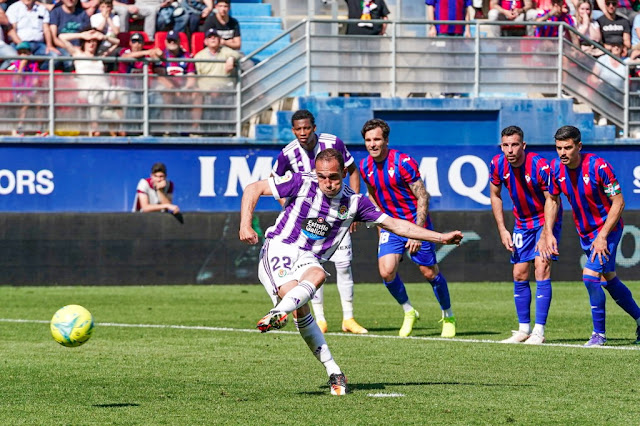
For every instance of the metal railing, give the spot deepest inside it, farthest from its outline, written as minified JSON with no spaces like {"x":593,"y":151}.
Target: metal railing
{"x":318,"y":59}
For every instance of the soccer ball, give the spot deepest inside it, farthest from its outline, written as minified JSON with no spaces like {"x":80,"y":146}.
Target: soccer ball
{"x":72,"y":325}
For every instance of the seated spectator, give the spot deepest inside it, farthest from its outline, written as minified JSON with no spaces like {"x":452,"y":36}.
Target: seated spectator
{"x":367,"y":10}
{"x":146,"y":9}
{"x":26,"y":95}
{"x":511,"y":12}
{"x":456,"y":10}
{"x":31,"y":24}
{"x":635,"y":38}
{"x":227,"y":27}
{"x":6,"y":50}
{"x":214,"y":76}
{"x":135,"y":85}
{"x":185,"y":16}
{"x":624,"y":8}
{"x":614,"y":29}
{"x":67,"y":19}
{"x":155,"y":193}
{"x":107,"y":23}
{"x":93,"y":83}
{"x":90,"y":6}
{"x":559,"y":12}
{"x":589,"y":29}
{"x":612,"y":71}
{"x":176,"y":79}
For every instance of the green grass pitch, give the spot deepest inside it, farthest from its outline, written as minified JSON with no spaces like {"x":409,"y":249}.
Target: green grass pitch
{"x":191,"y":355}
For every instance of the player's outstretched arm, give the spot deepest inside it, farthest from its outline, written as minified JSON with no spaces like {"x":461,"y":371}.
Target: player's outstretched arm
{"x":250,"y":197}
{"x":411,"y":230}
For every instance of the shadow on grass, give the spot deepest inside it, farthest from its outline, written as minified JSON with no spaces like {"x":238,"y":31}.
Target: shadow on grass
{"x":354,"y":387}
{"x":117,"y":404}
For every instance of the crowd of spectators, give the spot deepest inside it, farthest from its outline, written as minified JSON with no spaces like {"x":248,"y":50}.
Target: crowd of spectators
{"x":90,"y":29}
{"x":63,"y":27}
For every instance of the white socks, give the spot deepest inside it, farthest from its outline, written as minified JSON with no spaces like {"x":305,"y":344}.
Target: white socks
{"x":314,"y":339}
{"x":344,"y":278}
{"x":525,"y":328}
{"x":318,"y":304}
{"x":538,"y":329}
{"x":296,"y":297}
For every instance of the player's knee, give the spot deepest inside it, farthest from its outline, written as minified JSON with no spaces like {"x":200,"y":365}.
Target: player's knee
{"x":430,"y":272}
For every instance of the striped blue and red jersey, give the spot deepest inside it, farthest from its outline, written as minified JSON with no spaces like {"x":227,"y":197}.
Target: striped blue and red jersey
{"x":552,"y":31}
{"x":390,"y":180}
{"x":450,"y":10}
{"x":526,"y":185}
{"x":588,"y":188}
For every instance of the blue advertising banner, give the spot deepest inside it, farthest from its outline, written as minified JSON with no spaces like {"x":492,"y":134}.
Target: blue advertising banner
{"x":103,"y":178}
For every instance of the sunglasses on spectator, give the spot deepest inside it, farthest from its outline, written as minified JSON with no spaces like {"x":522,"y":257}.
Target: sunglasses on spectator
{"x":610,"y":3}
{"x":136,"y":41}
{"x":172,"y":41}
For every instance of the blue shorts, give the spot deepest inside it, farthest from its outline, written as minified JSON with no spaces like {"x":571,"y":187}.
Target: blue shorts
{"x":391,"y":243}
{"x":612,"y":244}
{"x":524,"y":243}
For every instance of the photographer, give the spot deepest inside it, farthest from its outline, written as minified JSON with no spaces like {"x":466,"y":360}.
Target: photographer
{"x":155,"y":193}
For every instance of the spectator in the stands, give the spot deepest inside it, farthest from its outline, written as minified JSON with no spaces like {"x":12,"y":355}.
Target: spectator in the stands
{"x":625,"y":8}
{"x":615,"y":29}
{"x":192,"y":13}
{"x":610,"y":73}
{"x":215,"y":78}
{"x":106,"y":22}
{"x":146,"y":9}
{"x":511,"y":13}
{"x":226,"y":26}
{"x":454,"y":10}
{"x":176,"y":78}
{"x":25,"y":83}
{"x":5,"y":48}
{"x":589,"y":29}
{"x":559,"y":12}
{"x":67,"y":19}
{"x":30,"y":22}
{"x":366,"y":10}
{"x":92,"y":82}
{"x":136,"y":50}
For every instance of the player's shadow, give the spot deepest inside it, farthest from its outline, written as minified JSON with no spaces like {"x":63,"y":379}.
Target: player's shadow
{"x":382,"y":386}
{"x":354,"y":387}
{"x":117,"y":404}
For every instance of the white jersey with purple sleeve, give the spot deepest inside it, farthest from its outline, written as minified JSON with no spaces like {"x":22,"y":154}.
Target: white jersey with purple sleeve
{"x":311,"y":220}
{"x":295,"y":158}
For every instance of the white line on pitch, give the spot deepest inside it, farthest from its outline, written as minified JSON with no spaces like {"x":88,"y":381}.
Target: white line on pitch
{"x":363,"y":336}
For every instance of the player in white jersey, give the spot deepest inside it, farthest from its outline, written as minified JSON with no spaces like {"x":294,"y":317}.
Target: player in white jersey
{"x":299,"y":156}
{"x":318,"y":213}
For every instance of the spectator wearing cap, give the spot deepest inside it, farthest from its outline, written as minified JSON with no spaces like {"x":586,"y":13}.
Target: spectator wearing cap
{"x":25,"y":83}
{"x":30,"y":22}
{"x":136,"y":50}
{"x":176,"y":78}
{"x":227,"y":27}
{"x":615,"y":29}
{"x":215,"y":79}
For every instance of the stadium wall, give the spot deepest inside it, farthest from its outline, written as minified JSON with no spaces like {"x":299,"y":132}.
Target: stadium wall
{"x":154,"y":249}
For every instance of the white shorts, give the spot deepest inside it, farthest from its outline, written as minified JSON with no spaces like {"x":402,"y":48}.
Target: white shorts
{"x":281,"y":263}
{"x":343,"y":253}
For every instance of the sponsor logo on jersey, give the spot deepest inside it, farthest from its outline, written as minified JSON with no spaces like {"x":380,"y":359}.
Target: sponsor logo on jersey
{"x":586,"y":179}
{"x":506,"y":176}
{"x":316,"y":228}
{"x":561,"y":179}
{"x":527,"y":178}
{"x":392,"y":172}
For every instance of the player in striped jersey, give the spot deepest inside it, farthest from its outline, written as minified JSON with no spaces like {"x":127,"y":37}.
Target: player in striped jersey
{"x":526,"y":177}
{"x":395,"y":186}
{"x":317,"y":215}
{"x":592,"y":188}
{"x":299,"y":156}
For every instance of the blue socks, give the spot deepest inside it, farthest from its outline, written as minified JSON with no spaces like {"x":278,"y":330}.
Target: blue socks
{"x":441,"y":290}
{"x":598,"y":301}
{"x":543,"y":301}
{"x":622,"y":295}
{"x":397,"y":290}
{"x":522,"y":298}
